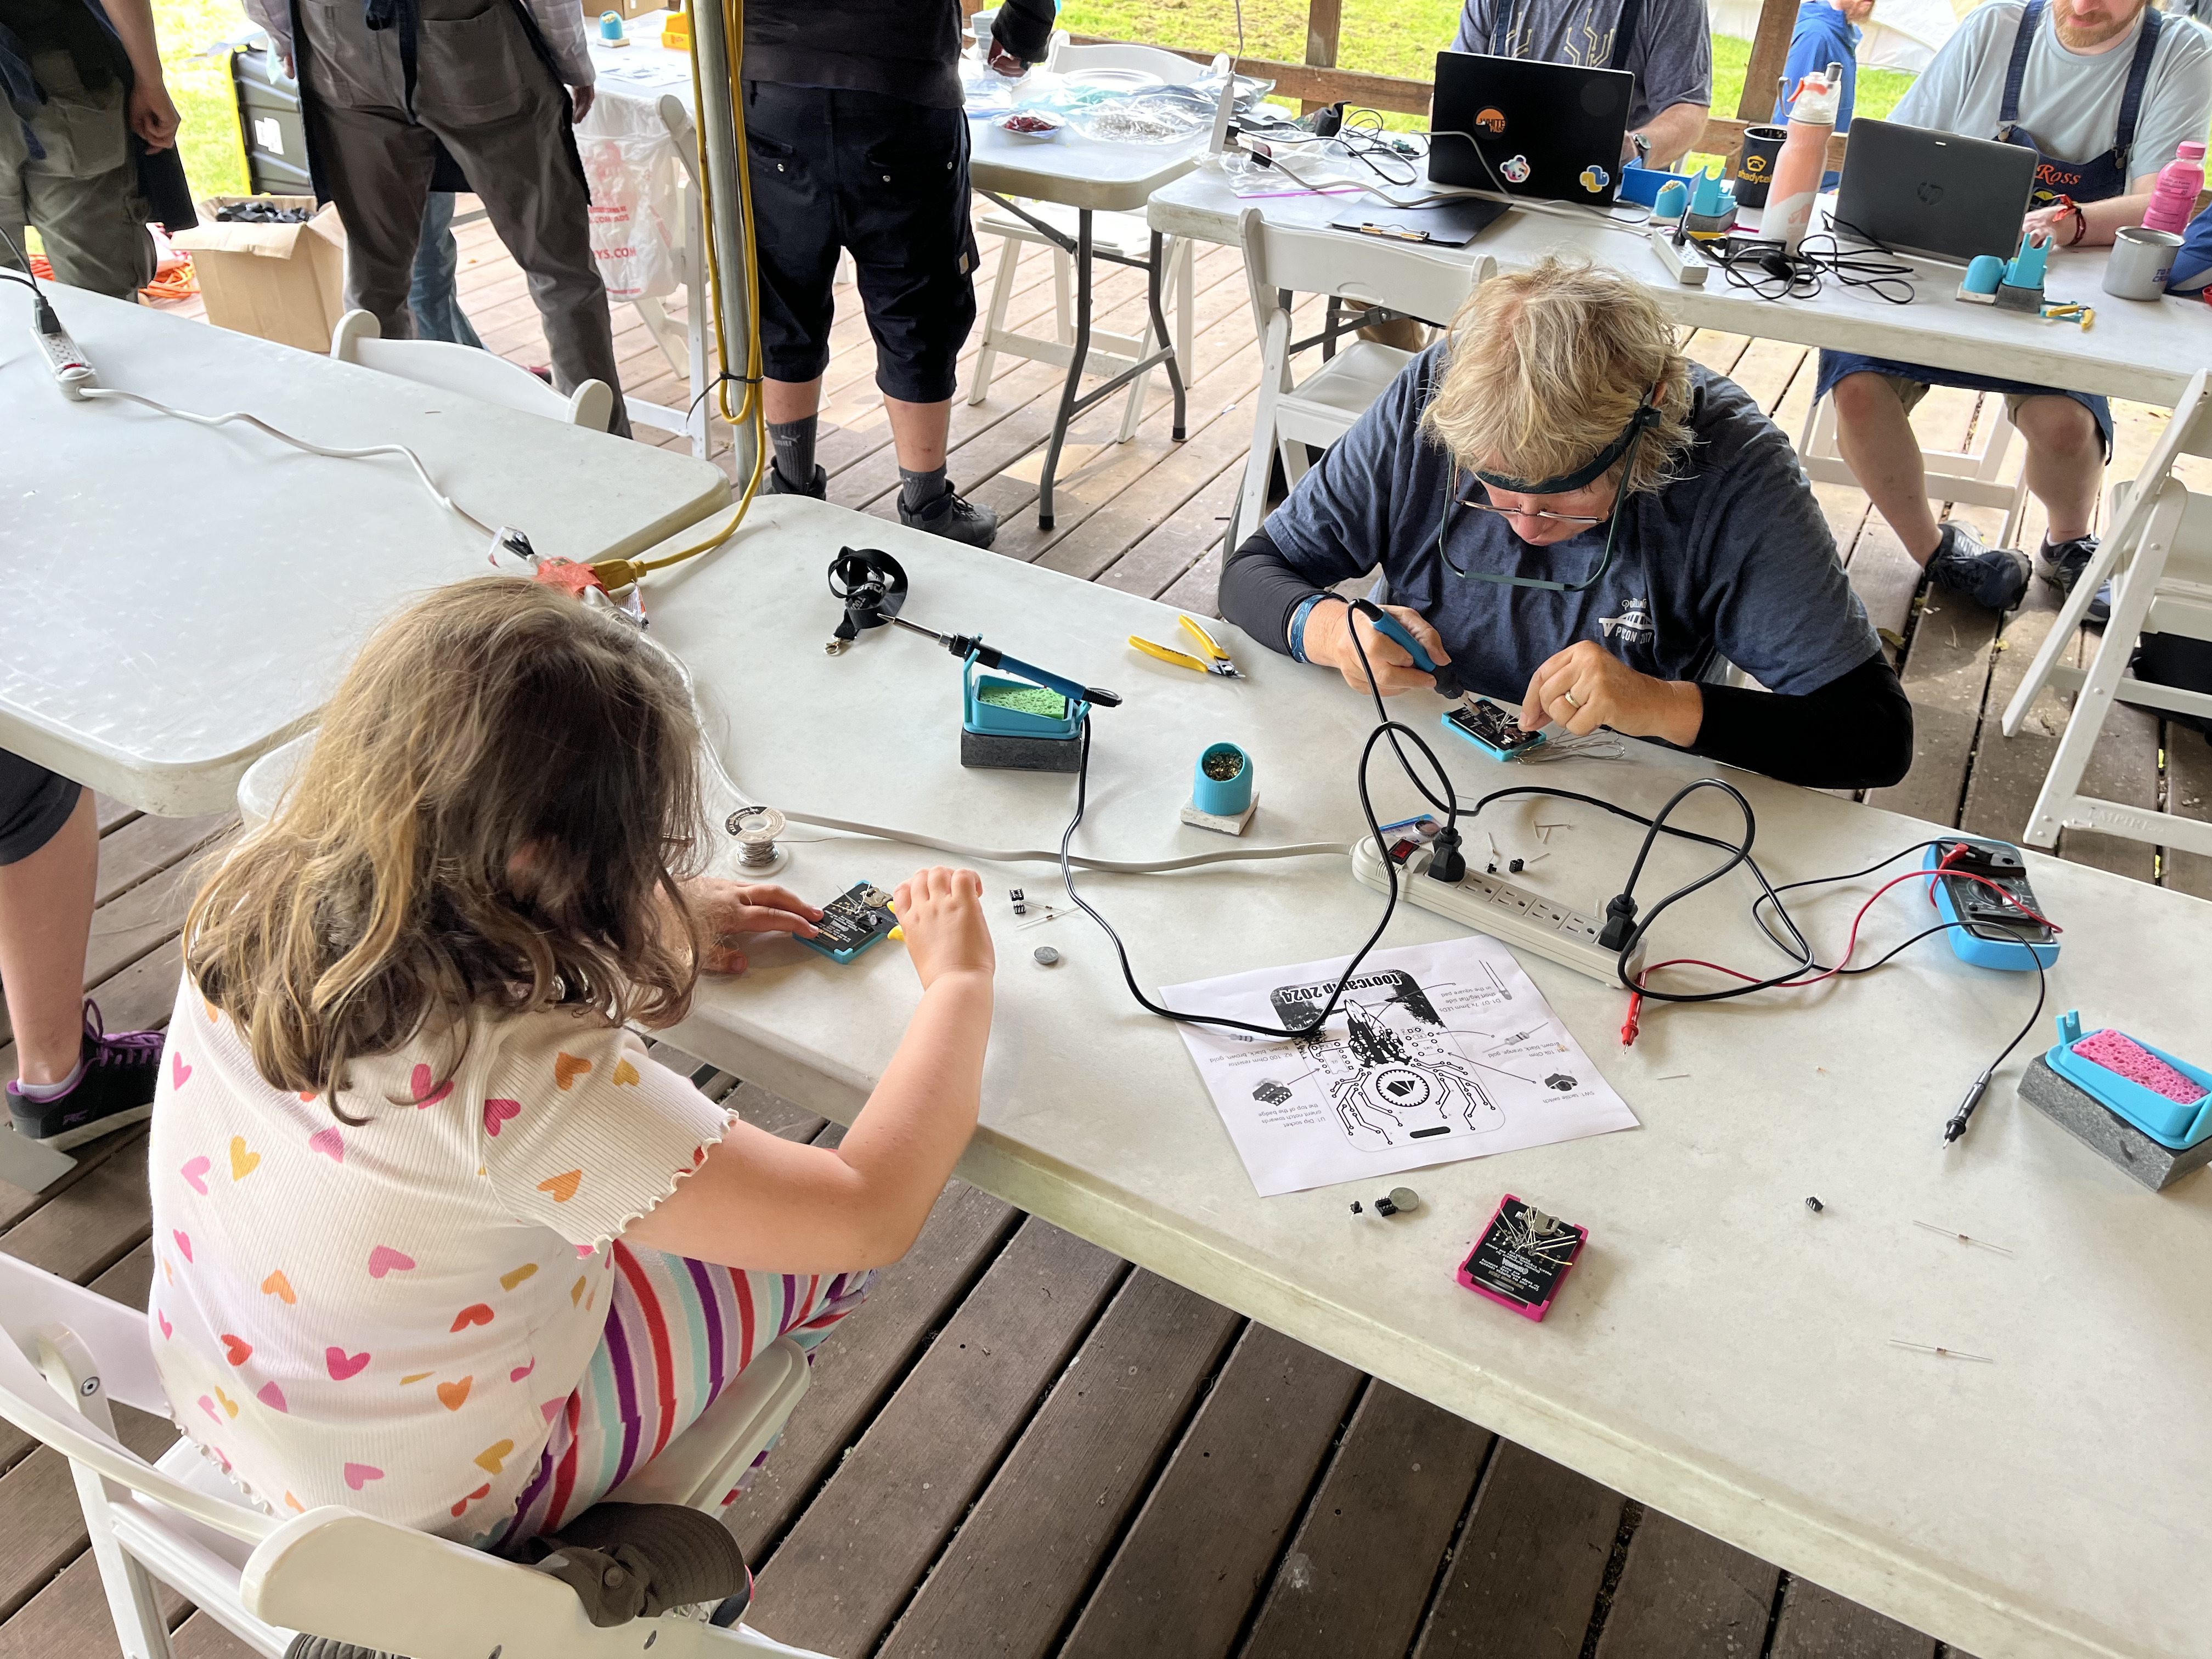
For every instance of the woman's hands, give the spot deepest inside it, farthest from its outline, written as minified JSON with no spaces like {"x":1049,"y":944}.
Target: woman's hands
{"x":1584,"y":687}
{"x":940,"y":912}
{"x":722,"y":911}
{"x":1328,"y":640}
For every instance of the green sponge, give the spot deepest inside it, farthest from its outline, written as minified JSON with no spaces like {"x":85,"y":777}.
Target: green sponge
{"x":1025,"y":700}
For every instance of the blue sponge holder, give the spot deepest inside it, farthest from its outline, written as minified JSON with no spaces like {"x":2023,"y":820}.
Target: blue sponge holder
{"x":992,"y":719}
{"x":2176,"y":1125}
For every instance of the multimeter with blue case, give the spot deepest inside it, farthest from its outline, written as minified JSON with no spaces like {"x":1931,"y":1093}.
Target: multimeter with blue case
{"x":1991,"y":930}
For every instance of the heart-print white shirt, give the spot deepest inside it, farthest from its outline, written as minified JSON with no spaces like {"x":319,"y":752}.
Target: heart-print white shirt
{"x":389,"y":1314}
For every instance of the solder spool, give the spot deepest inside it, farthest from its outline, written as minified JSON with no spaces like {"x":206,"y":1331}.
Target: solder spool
{"x":755,"y":829}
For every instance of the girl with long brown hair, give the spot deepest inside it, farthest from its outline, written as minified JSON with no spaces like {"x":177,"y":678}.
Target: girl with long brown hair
{"x":438,"y":1239}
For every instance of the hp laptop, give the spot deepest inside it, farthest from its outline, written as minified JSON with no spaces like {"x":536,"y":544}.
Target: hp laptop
{"x":1551,"y":132}
{"x":1934,"y":194}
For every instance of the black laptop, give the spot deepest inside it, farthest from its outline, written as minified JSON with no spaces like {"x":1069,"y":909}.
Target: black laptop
{"x":1933,"y":194}
{"x":1551,"y":131}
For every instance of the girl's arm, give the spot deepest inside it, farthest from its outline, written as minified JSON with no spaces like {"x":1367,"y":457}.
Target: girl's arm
{"x":764,"y":1203}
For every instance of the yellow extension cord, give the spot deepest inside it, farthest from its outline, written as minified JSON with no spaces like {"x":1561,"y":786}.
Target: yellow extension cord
{"x":621,"y":573}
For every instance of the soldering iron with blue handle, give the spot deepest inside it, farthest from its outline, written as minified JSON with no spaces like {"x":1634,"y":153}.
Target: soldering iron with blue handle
{"x":1399,"y":634}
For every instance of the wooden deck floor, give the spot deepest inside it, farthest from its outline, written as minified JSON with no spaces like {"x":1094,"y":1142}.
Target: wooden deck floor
{"x":1023,"y":1446}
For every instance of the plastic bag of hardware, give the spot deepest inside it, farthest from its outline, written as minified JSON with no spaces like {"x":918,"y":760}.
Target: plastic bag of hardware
{"x":630,"y":162}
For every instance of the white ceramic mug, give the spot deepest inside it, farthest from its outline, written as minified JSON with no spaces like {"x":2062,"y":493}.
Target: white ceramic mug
{"x":2141,"y":262}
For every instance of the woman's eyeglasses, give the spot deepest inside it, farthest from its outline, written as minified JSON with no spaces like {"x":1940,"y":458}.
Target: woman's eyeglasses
{"x":1579,"y":521}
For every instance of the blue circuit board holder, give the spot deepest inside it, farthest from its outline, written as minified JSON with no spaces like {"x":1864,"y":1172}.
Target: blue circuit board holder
{"x":2175,"y":1124}
{"x":2011,"y":954}
{"x":1507,"y":755}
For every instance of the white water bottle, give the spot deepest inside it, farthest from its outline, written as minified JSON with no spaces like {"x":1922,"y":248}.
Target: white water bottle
{"x":1804,"y":159}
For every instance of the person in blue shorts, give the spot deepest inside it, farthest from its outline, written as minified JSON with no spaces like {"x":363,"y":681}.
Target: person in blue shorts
{"x":1590,"y":528}
{"x":2112,"y":81}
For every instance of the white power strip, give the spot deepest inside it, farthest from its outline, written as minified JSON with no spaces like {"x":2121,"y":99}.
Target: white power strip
{"x":1489,"y":904}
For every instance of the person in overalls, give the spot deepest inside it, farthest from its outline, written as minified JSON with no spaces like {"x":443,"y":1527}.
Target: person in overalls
{"x":1667,"y":45}
{"x":404,"y":96}
{"x":2110,"y":80}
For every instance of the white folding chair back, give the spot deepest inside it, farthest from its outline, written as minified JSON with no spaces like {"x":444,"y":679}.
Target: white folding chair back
{"x":69,"y":1351}
{"x":1966,"y":475}
{"x":1280,"y":263}
{"x":2159,"y":560}
{"x":465,"y":369}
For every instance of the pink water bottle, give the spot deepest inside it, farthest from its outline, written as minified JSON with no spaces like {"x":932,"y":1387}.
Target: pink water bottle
{"x":1804,"y":158}
{"x":2173,"y":204}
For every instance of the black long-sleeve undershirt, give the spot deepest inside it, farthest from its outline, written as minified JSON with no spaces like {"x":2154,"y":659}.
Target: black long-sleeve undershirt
{"x":1854,"y":732}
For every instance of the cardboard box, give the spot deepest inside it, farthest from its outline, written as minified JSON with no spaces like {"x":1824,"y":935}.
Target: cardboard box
{"x":282,"y":282}
{"x":628,"y":9}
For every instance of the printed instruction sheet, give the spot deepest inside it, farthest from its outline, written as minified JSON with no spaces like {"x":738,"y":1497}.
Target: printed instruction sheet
{"x":1436,"y":1053}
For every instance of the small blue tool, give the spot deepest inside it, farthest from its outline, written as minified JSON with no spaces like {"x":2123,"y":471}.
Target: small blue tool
{"x":1996,"y":914}
{"x":1398,"y":634}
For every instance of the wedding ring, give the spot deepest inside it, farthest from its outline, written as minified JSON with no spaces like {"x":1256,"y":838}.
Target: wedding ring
{"x":1573,"y":702}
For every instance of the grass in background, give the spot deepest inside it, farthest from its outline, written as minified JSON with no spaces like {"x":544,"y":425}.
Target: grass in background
{"x":214,"y":159}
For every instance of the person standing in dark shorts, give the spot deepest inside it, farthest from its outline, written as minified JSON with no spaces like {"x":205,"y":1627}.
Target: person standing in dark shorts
{"x":74,"y":1082}
{"x":858,"y":140}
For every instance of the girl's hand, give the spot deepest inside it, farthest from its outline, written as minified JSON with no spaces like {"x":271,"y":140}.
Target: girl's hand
{"x":723,"y":910}
{"x":1328,"y":640}
{"x":1584,"y":687}
{"x":940,"y":912}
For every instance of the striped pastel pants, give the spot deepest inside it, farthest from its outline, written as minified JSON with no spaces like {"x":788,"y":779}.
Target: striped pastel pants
{"x":677,"y":1333}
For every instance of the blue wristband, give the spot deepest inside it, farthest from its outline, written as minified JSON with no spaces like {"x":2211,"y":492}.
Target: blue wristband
{"x":1297,"y":629}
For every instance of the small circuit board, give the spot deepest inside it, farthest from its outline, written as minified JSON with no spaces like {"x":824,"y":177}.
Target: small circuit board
{"x":852,"y":921}
{"x":1492,"y":730}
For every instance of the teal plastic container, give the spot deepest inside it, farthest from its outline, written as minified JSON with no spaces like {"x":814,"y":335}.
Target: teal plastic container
{"x":992,"y":705}
{"x":2176,"y":1125}
{"x":1222,"y":798}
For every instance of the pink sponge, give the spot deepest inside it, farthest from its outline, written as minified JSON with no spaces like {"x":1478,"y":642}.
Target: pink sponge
{"x":2131,"y":1060}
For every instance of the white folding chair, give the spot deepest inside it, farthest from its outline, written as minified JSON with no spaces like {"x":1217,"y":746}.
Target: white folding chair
{"x":2159,"y":560}
{"x":357,"y":339}
{"x":1123,"y":234}
{"x":1965,"y":476}
{"x":1280,"y":263}
{"x":333,"y":1571}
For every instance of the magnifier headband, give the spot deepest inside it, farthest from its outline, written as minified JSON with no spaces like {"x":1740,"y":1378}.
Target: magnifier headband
{"x":1646,"y":415}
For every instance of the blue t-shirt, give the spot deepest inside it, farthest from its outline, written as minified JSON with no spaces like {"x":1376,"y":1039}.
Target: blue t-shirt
{"x":1823,"y":36}
{"x":1732,"y":560}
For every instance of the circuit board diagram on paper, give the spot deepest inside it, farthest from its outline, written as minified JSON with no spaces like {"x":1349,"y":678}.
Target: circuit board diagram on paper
{"x":1433,"y":1053}
{"x":1393,"y":1072}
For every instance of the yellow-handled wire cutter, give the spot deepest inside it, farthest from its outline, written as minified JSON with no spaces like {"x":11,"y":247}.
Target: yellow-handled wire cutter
{"x":1215,"y":660}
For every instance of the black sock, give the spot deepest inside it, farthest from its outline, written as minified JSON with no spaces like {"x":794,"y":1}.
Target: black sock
{"x":919,"y":490}
{"x":794,"y":450}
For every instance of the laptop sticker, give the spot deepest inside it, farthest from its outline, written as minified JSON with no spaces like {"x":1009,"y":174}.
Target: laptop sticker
{"x":1490,"y":121}
{"x":1596,"y":178}
{"x":1516,"y":170}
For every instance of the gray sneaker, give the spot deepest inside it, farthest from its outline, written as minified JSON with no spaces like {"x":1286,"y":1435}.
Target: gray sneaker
{"x":2062,"y":563}
{"x":1995,"y":578}
{"x":953,"y":516}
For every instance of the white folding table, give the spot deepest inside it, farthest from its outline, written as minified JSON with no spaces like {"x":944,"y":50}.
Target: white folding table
{"x":181,"y":599}
{"x":1721,"y":1352}
{"x":2143,"y":350}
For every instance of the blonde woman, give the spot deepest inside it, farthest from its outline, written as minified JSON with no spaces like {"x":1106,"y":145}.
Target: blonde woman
{"x":1582,"y":521}
{"x":438,"y":1239}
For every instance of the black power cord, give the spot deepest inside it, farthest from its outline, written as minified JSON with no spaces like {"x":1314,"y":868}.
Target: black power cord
{"x":1384,"y":727}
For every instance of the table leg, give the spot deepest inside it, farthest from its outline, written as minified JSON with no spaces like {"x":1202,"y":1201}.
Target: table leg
{"x":1082,"y":349}
{"x":1155,"y":280}
{"x":697,"y":325}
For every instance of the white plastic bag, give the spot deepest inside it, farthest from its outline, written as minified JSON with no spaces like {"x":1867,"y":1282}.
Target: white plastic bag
{"x":630,"y":164}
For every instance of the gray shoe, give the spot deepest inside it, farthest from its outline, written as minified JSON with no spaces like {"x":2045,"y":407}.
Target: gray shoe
{"x":1995,"y":578}
{"x":953,"y":516}
{"x":818,"y":488}
{"x":2062,"y":564}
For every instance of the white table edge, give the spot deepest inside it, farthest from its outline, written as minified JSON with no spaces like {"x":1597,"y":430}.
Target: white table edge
{"x":1793,"y":1536}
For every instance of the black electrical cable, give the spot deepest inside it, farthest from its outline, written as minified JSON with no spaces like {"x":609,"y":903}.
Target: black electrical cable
{"x":1384,"y":727}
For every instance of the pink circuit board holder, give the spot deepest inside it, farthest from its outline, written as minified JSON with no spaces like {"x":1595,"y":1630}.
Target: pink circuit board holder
{"x":1526,"y":1310}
